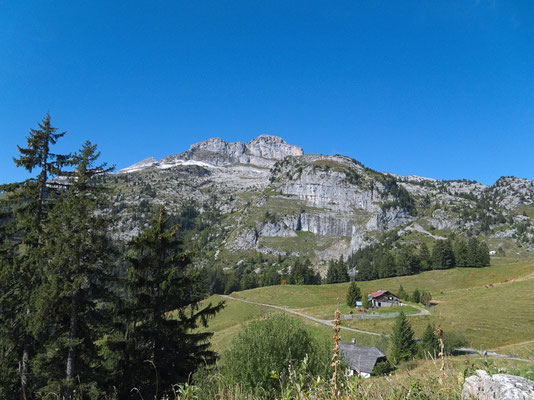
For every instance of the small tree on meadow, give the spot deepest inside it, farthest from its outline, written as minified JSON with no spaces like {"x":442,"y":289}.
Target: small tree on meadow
{"x":402,"y":293}
{"x":365,"y":301}
{"x":353,"y":295}
{"x":402,"y":340}
{"x":429,"y":345}
{"x":416,"y":296}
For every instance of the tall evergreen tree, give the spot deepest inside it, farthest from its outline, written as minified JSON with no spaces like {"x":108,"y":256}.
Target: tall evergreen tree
{"x":461,"y":253}
{"x":443,"y":255}
{"x":424,"y":256}
{"x":25,"y":206}
{"x":70,"y":298}
{"x":353,"y":294}
{"x":402,"y":340}
{"x":151,"y":346}
{"x":387,"y":267}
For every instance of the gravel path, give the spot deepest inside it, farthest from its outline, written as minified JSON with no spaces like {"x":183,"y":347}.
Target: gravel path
{"x":330,"y":323}
{"x":289,"y":310}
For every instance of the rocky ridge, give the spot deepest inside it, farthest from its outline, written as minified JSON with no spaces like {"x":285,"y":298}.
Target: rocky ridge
{"x":272,"y":198}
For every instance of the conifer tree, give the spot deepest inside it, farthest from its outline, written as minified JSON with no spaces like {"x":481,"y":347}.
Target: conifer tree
{"x":25,"y":206}
{"x":149,"y":345}
{"x":353,"y":294}
{"x":416,"y":296}
{"x":429,"y":345}
{"x":461,"y":253}
{"x":402,"y":293}
{"x":483,"y":255}
{"x":71,"y":296}
{"x":387,"y":266}
{"x":402,"y":340}
{"x":424,"y":256}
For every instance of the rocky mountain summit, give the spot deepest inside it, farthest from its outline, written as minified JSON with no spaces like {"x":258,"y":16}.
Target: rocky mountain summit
{"x":270,"y":197}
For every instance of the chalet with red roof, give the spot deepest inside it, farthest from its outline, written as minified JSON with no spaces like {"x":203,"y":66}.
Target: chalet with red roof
{"x":383,"y":298}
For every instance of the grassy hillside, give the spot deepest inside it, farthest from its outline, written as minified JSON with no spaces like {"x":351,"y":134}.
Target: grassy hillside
{"x":491,"y":306}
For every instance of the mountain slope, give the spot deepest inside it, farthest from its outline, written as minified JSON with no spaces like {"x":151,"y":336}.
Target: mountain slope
{"x":267,"y":196}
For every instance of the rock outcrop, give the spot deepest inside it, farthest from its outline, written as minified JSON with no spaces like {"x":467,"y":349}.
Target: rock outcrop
{"x":263,"y":151}
{"x":483,"y":386}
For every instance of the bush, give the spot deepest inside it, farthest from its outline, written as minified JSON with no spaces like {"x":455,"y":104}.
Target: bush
{"x":452,"y":341}
{"x":259,"y":357}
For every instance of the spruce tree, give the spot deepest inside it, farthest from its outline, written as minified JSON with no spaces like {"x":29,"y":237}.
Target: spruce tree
{"x":402,"y":293}
{"x":353,"y":294}
{"x":72,"y":294}
{"x":387,"y":266}
{"x":150,"y":348}
{"x":25,"y":206}
{"x":483,"y":255}
{"x":416,"y":296}
{"x":461,"y":253}
{"x":424,"y":256}
{"x":402,"y":340}
{"x":428,"y":345}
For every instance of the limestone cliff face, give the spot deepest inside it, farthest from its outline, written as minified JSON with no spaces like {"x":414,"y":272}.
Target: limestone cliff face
{"x":274,"y":199}
{"x":263,"y":151}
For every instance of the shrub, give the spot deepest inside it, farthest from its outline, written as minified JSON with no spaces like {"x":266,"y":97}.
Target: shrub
{"x":260,"y":356}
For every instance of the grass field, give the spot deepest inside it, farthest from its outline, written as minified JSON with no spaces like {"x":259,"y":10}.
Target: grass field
{"x":493,"y":307}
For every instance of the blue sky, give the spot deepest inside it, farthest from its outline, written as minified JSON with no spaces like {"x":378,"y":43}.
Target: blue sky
{"x":443,"y":89}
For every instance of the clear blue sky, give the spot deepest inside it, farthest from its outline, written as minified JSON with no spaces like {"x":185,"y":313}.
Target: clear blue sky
{"x":443,"y":89}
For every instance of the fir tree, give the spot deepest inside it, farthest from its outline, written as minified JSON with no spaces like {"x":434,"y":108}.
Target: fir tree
{"x":25,"y":206}
{"x":387,"y":266}
{"x":151,"y":346}
{"x":461,"y":253}
{"x":353,"y":294}
{"x":402,"y":293}
{"x":428,"y":345}
{"x":402,"y":340}
{"x":71,"y":296}
{"x":416,"y":296}
{"x":424,"y":256}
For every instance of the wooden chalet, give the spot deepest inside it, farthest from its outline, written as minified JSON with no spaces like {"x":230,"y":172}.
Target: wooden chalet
{"x":383,"y":298}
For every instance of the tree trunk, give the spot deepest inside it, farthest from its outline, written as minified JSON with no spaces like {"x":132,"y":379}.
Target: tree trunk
{"x":72,"y":354}
{"x":26,"y":349}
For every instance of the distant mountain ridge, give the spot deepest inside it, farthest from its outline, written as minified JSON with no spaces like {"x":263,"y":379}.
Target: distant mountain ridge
{"x":273,"y":198}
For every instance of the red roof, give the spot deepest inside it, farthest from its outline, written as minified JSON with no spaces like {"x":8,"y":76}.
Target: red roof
{"x":379,"y":293}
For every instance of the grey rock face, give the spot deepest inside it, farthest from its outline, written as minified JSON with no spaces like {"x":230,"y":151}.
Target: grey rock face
{"x":263,"y":151}
{"x":483,"y":386}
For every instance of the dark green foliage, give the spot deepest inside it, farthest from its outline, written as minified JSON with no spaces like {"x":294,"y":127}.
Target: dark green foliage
{"x":428,"y":346}
{"x":387,"y":267}
{"x":147,"y":343}
{"x":453,"y":341}
{"x":25,"y":207}
{"x":365,"y":301}
{"x":337,"y":271}
{"x":69,"y":300}
{"x":402,"y":340}
{"x":424,"y":257}
{"x":407,"y":261}
{"x":471,"y":254}
{"x":382,"y":368}
{"x":402,"y":293}
{"x":443,"y":255}
{"x":302,"y":273}
{"x":260,"y":355}
{"x":353,"y":294}
{"x":416,"y":296}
